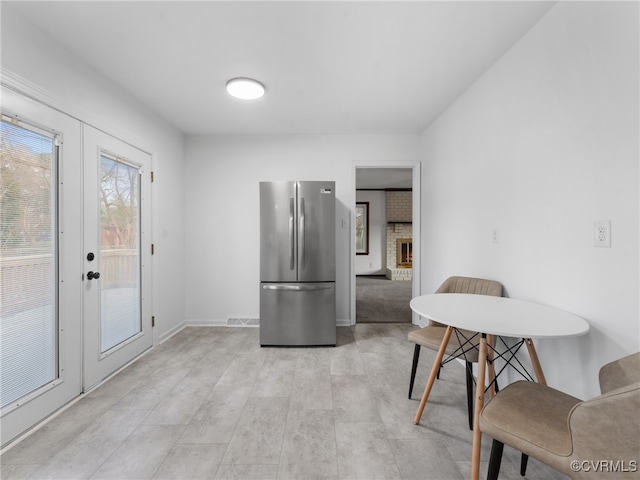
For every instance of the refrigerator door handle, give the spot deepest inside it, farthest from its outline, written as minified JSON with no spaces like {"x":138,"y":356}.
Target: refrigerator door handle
{"x":297,"y":288}
{"x":301,"y":235}
{"x":292,"y":253}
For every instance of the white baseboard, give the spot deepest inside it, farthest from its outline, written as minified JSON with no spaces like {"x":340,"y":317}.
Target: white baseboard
{"x":172,"y":332}
{"x":206,"y":322}
{"x":234,"y":322}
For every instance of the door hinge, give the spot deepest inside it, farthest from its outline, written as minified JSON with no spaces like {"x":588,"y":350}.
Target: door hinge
{"x":153,"y":321}
{"x":151,"y":176}
{"x":153,"y":249}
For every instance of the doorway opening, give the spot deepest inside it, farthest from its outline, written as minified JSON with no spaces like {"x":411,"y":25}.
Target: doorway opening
{"x":387,"y":212}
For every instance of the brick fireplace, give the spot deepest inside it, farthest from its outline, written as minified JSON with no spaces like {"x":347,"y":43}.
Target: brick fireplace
{"x":399,"y":236}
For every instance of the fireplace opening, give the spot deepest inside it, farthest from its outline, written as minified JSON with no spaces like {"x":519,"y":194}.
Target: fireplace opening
{"x":404,"y":249}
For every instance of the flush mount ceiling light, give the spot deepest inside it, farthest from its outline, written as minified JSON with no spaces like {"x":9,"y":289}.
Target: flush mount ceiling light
{"x":245,"y":88}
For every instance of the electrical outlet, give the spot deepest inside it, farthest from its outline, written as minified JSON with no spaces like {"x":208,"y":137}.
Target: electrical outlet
{"x":495,"y":235}
{"x":602,"y":233}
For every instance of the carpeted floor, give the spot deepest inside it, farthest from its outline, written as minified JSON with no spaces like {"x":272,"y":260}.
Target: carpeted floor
{"x":379,"y":300}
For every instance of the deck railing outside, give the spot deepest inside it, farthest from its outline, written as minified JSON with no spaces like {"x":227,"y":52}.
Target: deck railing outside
{"x":30,"y":278}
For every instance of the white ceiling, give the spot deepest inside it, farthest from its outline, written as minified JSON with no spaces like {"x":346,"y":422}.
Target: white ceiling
{"x":329,"y":67}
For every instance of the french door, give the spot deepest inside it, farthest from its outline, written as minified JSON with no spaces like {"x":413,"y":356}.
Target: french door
{"x":75,"y":259}
{"x":116,"y":254}
{"x":40,"y":237}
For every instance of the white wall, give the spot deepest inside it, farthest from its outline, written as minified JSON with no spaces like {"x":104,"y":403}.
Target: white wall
{"x":540,"y":147}
{"x":222,"y":209}
{"x":375,"y":263}
{"x":47,"y":72}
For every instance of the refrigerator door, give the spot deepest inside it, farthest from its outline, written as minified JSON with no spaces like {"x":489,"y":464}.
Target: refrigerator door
{"x":297,"y":314}
{"x":316,"y":231}
{"x":278,"y":235}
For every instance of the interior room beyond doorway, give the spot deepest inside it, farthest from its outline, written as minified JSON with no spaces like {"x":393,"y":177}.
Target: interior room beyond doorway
{"x":384,"y":245}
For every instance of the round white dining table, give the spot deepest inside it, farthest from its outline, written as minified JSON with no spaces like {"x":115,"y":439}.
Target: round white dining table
{"x":506,"y":317}
{"x":492,"y":316}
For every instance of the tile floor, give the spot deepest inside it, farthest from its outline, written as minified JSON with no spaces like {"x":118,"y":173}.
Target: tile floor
{"x":209,"y":403}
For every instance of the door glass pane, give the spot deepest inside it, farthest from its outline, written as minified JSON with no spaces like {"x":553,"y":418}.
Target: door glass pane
{"x":28,"y":263}
{"x":119,"y":252}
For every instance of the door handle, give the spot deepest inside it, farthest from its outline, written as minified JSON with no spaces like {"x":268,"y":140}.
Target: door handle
{"x":302,"y":235}
{"x":292,"y":254}
{"x":92,"y":275}
{"x":297,"y":288}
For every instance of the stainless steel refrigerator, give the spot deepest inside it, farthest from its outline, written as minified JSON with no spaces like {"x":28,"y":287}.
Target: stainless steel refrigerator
{"x":297,"y":263}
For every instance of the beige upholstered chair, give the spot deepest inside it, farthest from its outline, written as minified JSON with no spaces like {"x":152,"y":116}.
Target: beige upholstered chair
{"x":595,"y":439}
{"x":463,"y":344}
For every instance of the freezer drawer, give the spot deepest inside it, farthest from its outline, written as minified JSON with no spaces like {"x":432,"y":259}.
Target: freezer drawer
{"x":297,"y":314}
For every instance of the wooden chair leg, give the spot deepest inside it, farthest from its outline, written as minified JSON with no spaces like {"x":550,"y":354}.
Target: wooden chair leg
{"x":469,"y":375}
{"x":523,"y":464}
{"x":495,"y":460}
{"x":414,"y":367}
{"x":437,"y":363}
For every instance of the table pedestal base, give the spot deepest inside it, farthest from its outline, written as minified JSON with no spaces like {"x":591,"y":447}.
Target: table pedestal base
{"x":485,"y":362}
